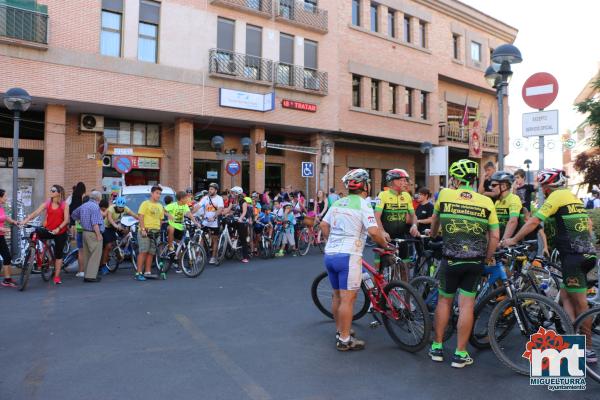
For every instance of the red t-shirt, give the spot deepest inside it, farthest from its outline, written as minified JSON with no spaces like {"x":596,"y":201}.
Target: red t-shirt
{"x":55,"y":217}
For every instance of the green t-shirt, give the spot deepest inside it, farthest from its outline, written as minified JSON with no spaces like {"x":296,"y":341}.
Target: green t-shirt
{"x":178,"y":212}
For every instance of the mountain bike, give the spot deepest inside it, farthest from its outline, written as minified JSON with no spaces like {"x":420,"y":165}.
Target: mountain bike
{"x":310,"y":236}
{"x":588,"y":324}
{"x":38,"y":257}
{"x":189,"y":255}
{"x":229,"y":245}
{"x":265,"y":244}
{"x":125,"y":247}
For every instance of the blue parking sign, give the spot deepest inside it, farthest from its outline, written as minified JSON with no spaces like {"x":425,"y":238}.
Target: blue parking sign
{"x":308,"y":170}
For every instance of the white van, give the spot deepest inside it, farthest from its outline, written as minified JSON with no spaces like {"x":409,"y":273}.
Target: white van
{"x":135,"y":195}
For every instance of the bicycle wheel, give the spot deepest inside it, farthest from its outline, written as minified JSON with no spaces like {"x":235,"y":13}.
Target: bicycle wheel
{"x":303,"y":242}
{"x":588,"y":324}
{"x":26,"y":268}
{"x":483,"y":310}
{"x":193,"y":260}
{"x":322,"y":295}
{"x":427,"y":288}
{"x":221,"y":249}
{"x":407,"y":318}
{"x":264,"y":248}
{"x":113,"y":261}
{"x":46,"y":268}
{"x":162,"y":259}
{"x":535,"y":311}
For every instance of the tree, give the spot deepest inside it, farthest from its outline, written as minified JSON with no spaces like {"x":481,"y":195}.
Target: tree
{"x":591,"y":107}
{"x":588,"y":163}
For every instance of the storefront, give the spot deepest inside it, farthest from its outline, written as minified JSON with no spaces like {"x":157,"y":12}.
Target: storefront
{"x":205,"y":173}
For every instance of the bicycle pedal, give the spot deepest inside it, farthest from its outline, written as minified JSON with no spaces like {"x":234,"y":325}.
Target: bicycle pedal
{"x":374,"y":324}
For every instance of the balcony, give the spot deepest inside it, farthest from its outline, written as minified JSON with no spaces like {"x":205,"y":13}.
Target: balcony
{"x":243,"y":67}
{"x":302,"y":13}
{"x":263,"y":8}
{"x":456,"y":134}
{"x":300,"y":78}
{"x":26,"y":27}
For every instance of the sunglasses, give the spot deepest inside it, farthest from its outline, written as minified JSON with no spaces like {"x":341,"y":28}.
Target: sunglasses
{"x":493,"y":185}
{"x":53,"y":190}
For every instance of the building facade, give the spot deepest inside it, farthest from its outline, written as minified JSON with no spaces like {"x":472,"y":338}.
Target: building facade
{"x":342,"y":84}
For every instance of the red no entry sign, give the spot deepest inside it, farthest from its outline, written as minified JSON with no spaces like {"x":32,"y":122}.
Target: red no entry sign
{"x":540,"y":90}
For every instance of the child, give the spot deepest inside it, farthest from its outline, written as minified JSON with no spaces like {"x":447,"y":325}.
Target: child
{"x":289,"y":221}
{"x":263,"y":225}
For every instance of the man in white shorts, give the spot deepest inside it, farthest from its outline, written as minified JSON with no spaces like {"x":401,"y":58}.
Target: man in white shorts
{"x":211,"y":206}
{"x":346,"y":226}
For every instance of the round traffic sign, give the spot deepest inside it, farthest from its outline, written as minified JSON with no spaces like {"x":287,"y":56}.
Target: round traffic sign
{"x":123,"y":164}
{"x":540,"y":90}
{"x":233,"y":167}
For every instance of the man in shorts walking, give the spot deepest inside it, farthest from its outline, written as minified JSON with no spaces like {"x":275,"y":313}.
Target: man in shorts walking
{"x":211,"y":207}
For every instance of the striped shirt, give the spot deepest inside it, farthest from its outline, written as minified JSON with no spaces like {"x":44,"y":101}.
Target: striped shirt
{"x":88,"y":215}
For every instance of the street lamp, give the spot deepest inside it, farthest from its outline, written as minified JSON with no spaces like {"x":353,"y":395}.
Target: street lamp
{"x":527,"y":163}
{"x":498,"y":76}
{"x":16,"y":100}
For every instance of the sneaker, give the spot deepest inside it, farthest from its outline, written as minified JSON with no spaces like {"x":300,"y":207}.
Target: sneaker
{"x":104,"y":270}
{"x":139,"y":277}
{"x":280,"y":253}
{"x":147,"y":273}
{"x":337,"y":334}
{"x":460,"y":361}
{"x":57,"y":280}
{"x":245,"y":260}
{"x":178,"y":270}
{"x":80,"y":274}
{"x":436,"y":354}
{"x":591,"y":357}
{"x":212,"y":260}
{"x":352,"y":344}
{"x":9,"y":283}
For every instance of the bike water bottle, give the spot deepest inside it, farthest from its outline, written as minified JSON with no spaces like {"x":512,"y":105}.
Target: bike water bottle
{"x":432,"y":270}
{"x":368,"y":281}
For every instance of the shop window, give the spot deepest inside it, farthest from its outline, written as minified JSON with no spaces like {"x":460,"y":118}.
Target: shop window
{"x":132,"y":133}
{"x":276,"y":140}
{"x":202,"y":140}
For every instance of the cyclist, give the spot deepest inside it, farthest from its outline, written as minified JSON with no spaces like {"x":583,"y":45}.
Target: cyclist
{"x":508,"y":205}
{"x":4,"y":251}
{"x":346,"y":226}
{"x":239,"y":207}
{"x":112,"y":224}
{"x":289,"y":222}
{"x":469,"y":225}
{"x":211,"y":206}
{"x":573,"y":241}
{"x":56,"y":222}
{"x":178,"y":210}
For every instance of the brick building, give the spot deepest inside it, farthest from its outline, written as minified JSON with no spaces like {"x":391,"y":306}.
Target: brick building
{"x":351,"y":82}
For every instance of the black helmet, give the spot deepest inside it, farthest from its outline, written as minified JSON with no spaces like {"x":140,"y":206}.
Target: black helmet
{"x":503,"y":176}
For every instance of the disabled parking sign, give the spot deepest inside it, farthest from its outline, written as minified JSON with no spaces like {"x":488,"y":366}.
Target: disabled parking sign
{"x":308,"y":169}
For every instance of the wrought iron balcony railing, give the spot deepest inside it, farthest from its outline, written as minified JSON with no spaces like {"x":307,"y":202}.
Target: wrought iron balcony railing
{"x":303,"y":13}
{"x":262,"y":7}
{"x":245,"y":67}
{"x":457,"y":134}
{"x":26,"y":25}
{"x":297,"y":77}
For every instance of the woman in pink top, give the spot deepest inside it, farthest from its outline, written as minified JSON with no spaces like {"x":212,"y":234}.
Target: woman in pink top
{"x":4,"y":251}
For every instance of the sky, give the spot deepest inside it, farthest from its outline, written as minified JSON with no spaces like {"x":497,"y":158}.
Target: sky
{"x":558,"y":37}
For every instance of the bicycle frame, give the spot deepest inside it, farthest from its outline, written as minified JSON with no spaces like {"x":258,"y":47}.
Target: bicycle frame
{"x":377,"y":293}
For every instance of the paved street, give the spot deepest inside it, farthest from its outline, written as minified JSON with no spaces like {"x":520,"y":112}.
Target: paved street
{"x":237,"y":332}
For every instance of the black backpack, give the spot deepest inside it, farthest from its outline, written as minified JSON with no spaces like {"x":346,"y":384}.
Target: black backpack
{"x":589,"y":204}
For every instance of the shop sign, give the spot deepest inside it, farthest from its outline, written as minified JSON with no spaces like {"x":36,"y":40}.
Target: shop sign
{"x":147,"y":163}
{"x":123,"y":152}
{"x":212,"y":175}
{"x":246,"y":100}
{"x":299,"y":105}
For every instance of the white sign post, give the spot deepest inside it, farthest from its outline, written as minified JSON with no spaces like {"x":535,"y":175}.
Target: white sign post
{"x":540,"y":123}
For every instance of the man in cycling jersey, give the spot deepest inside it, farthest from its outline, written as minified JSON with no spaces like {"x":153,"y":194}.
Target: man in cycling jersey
{"x":573,"y":241}
{"x":112,"y":224}
{"x":211,"y":207}
{"x":469,"y":227}
{"x":346,"y":226}
{"x":508,"y":205}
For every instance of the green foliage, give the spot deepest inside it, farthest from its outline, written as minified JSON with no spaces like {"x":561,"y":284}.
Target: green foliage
{"x":592,"y":108}
{"x":595,"y":216}
{"x":588,"y":163}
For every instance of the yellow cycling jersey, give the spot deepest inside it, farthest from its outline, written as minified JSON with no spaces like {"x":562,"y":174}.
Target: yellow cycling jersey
{"x":395,"y":208}
{"x":570,"y":220}
{"x":506,"y":208}
{"x":465,"y":218}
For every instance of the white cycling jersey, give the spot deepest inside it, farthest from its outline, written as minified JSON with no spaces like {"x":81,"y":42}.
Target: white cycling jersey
{"x":350,"y":218}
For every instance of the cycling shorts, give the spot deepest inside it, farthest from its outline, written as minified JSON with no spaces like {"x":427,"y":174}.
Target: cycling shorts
{"x":344,"y":271}
{"x":109,"y":236}
{"x":462,"y":275}
{"x":575,"y":268}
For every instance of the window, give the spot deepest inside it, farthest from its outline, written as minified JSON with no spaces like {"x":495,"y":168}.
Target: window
{"x":132,"y":133}
{"x":148,"y":31}
{"x":408,"y":98}
{"x":310,"y":54}
{"x":423,"y":100}
{"x":391,"y":19}
{"x":110,"y":36}
{"x":374,"y":27}
{"x":455,"y":46}
{"x":475,"y":51}
{"x":374,"y":94}
{"x":407,"y":29}
{"x":310,"y":5}
{"x":491,"y":54}
{"x":286,"y":59}
{"x":423,"y":31}
{"x":356,"y":12}
{"x":253,"y":51}
{"x":225,"y":34}
{"x":356,"y":90}
{"x":393,"y":90}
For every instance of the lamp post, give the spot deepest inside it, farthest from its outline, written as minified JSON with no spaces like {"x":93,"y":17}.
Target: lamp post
{"x":527,"y":163}
{"x":16,"y":100}
{"x":498,"y":76}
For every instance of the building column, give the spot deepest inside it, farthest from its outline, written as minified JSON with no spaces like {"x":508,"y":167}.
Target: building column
{"x":55,"y":128}
{"x":384,"y":96}
{"x":257,"y":161}
{"x":415,"y":37}
{"x":365,"y":14}
{"x":376,"y":178}
{"x":182,"y":159}
{"x":382,"y":12}
{"x":365,"y":93}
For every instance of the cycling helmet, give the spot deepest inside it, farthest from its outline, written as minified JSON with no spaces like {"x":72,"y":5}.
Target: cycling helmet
{"x":552,"y":177}
{"x":120,"y":201}
{"x":189,"y":190}
{"x":356,"y":179}
{"x":503,"y":176}
{"x":198,"y":196}
{"x":396,"y":173}
{"x":236,"y":191}
{"x":214,"y":185}
{"x":464,"y":170}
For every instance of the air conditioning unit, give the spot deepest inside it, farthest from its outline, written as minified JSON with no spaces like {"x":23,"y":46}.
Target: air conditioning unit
{"x":91,"y":123}
{"x":107,"y":161}
{"x":311,"y":83}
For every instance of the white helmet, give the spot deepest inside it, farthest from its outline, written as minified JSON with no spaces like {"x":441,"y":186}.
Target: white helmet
{"x":236,"y":190}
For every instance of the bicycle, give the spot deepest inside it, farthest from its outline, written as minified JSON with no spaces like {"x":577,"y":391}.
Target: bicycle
{"x":588,"y":324}
{"x":228,"y":241}
{"x":310,"y":236}
{"x":125,"y":246}
{"x":265,"y":244}
{"x":38,"y":257}
{"x":397,"y":303}
{"x":188,"y":254}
